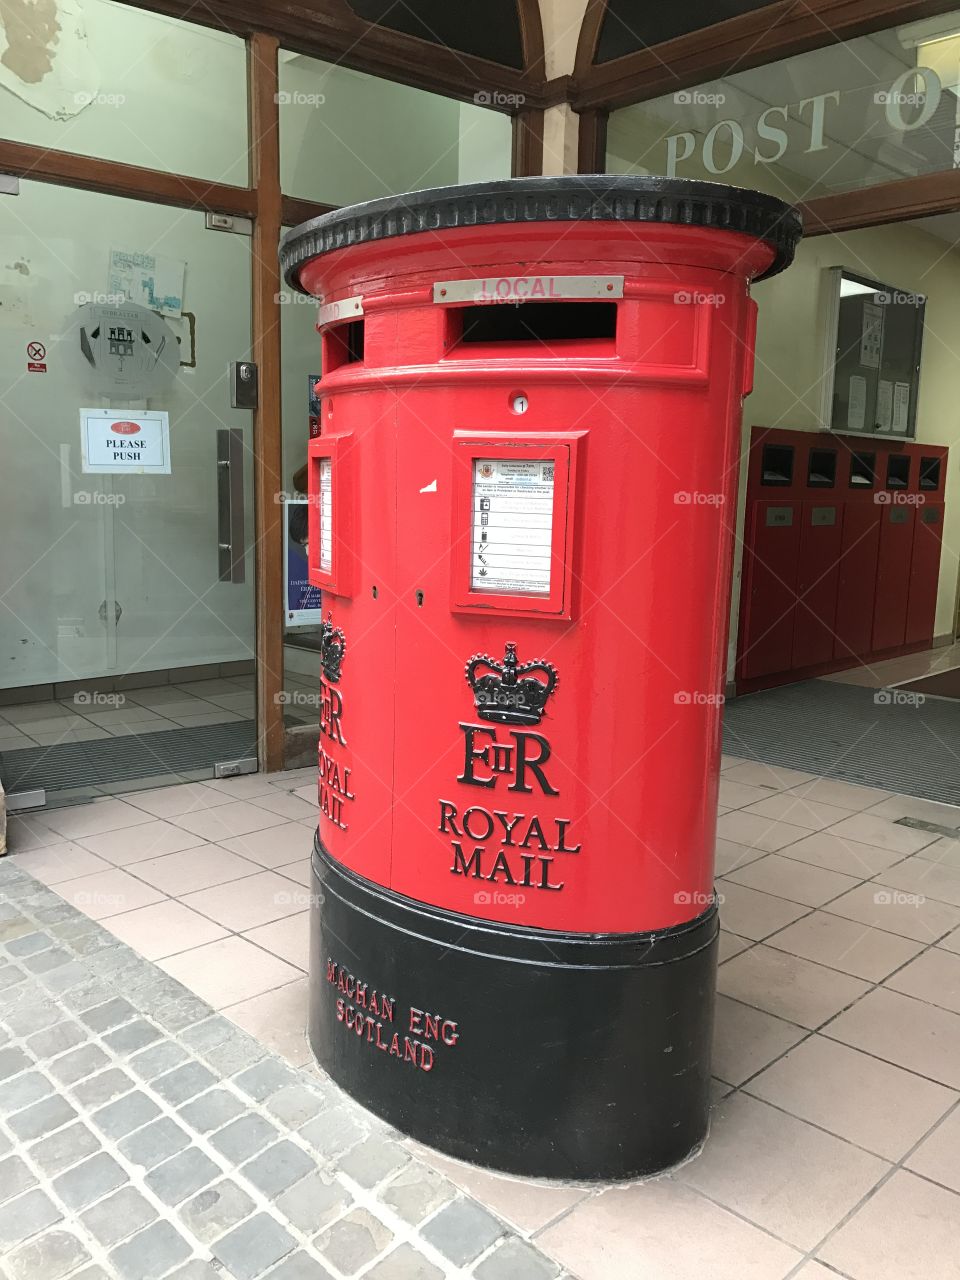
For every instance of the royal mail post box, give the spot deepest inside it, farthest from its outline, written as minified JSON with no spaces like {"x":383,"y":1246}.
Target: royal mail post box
{"x":522,"y":518}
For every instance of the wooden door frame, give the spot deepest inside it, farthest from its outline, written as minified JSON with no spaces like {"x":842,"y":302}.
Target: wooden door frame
{"x":263,"y":82}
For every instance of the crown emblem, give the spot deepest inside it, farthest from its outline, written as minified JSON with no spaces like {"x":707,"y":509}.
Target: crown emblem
{"x":510,"y":692}
{"x":333,"y":645}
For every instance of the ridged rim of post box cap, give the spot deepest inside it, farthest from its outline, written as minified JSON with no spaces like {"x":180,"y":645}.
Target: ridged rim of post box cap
{"x":599,"y":197}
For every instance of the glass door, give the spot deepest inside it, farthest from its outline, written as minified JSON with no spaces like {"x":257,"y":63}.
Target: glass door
{"x":126,"y":507}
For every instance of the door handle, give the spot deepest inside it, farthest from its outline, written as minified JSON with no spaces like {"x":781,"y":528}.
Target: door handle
{"x":230,"y":512}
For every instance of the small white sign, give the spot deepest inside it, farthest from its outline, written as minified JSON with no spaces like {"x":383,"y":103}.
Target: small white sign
{"x":857,"y":404}
{"x":326,"y":514}
{"x":901,"y":407}
{"x":884,"y":405}
{"x":871,"y":335}
{"x":512,"y":526}
{"x":113,"y":442}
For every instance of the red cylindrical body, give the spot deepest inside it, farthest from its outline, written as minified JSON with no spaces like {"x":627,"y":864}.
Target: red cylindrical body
{"x":634,"y":723}
{"x":523,"y":506}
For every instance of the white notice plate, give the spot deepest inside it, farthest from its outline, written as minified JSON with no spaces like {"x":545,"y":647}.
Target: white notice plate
{"x":326,"y":514}
{"x":512,"y":526}
{"x":113,"y":441}
{"x":528,"y":288}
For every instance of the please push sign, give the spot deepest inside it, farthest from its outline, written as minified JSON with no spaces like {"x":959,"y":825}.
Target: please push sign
{"x":114,"y":441}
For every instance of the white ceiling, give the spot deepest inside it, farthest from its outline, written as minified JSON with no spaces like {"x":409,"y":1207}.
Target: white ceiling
{"x":945,"y":226}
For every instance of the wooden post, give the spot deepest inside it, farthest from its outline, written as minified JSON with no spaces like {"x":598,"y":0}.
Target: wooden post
{"x":526,"y":160}
{"x":262,"y":82}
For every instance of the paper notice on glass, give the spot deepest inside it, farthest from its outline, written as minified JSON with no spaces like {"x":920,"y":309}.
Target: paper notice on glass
{"x":884,"y":405}
{"x":857,"y":403}
{"x":148,"y":279}
{"x":512,"y":526}
{"x":326,"y":514}
{"x":871,"y":335}
{"x":901,"y":407}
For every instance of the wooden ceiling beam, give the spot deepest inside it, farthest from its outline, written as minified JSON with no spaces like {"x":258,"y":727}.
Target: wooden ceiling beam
{"x":110,"y":177}
{"x":753,"y":39}
{"x":332,"y":32}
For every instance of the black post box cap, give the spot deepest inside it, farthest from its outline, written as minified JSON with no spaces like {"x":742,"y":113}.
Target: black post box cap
{"x":599,"y":197}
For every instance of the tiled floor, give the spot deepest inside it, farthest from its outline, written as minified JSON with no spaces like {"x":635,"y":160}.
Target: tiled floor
{"x":91,"y":715}
{"x":835,"y":1145}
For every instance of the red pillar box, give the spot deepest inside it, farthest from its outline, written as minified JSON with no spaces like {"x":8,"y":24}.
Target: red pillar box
{"x":522,"y":505}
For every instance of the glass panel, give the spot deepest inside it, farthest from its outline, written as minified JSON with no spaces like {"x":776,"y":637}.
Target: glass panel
{"x":875,"y":109}
{"x":113,"y":81}
{"x":114,"y":615}
{"x":346,"y":136}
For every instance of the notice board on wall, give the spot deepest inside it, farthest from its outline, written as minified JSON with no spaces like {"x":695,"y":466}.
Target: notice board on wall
{"x":875,"y":339}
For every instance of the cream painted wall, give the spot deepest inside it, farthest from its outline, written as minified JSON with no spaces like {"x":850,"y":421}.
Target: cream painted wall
{"x":789,"y":368}
{"x":561,"y":136}
{"x":562,"y":20}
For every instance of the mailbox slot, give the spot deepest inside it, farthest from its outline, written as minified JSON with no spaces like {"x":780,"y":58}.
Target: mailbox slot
{"x":898,"y":471}
{"x":777,"y":464}
{"x":863,"y":470}
{"x":330,"y":515}
{"x":929,"y":473}
{"x":513,"y":523}
{"x":525,"y":330}
{"x":342,"y":344}
{"x":821,"y":468}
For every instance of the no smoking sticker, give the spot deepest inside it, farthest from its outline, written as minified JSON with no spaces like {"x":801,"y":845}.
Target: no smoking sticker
{"x":36,"y":355}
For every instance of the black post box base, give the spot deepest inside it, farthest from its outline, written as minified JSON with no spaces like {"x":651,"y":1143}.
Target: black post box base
{"x":538,"y":1053}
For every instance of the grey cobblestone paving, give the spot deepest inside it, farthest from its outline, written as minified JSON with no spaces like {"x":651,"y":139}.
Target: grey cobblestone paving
{"x":145,"y":1137}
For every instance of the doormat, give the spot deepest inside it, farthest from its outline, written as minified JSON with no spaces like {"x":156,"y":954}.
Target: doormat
{"x":943,"y":684}
{"x":106,"y":760}
{"x":894,"y":739}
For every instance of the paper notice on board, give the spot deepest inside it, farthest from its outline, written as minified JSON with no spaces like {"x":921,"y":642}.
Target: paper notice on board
{"x":901,"y":407}
{"x":857,"y":403}
{"x":148,"y":279}
{"x":326,"y":514}
{"x":512,"y":526}
{"x":871,"y":335}
{"x":884,"y":405}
